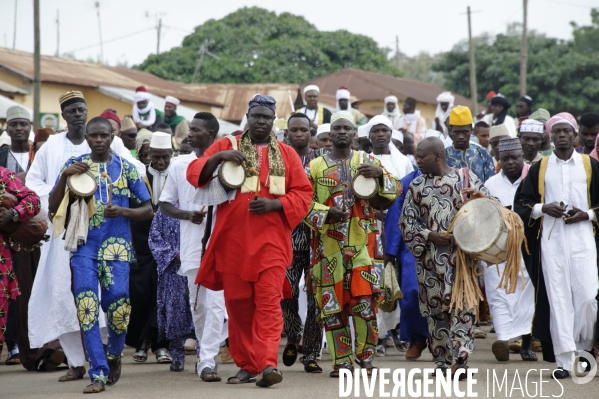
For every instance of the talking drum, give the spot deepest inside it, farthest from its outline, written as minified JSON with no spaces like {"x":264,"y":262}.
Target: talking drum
{"x":480,"y":230}
{"x":27,"y":234}
{"x":367,"y":188}
{"x":82,"y":185}
{"x":231,"y":175}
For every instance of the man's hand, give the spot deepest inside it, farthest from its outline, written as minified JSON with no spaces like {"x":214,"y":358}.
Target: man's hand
{"x":113,"y":211}
{"x":5,"y":216}
{"x":369,"y":170}
{"x":232,"y":155}
{"x":264,"y":205}
{"x":76,"y":169}
{"x":579,"y":216}
{"x":439,"y":239}
{"x":554,"y":209}
{"x":336,"y":214}
{"x":196,"y":217}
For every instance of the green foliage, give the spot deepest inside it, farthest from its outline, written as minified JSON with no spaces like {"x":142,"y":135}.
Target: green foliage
{"x":561,"y":76}
{"x":258,"y":46}
{"x":586,"y":38}
{"x":420,"y":68}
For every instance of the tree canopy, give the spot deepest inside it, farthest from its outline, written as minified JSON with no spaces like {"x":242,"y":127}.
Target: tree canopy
{"x":562,"y":75}
{"x":259,"y":46}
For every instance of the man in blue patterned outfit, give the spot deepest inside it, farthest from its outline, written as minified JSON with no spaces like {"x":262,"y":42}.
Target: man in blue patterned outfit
{"x":100,"y":246}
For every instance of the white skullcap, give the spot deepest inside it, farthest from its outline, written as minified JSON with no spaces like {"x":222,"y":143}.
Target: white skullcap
{"x":172,"y":100}
{"x":362,"y":132}
{"x":161,"y":140}
{"x":377,"y":120}
{"x":311,"y":87}
{"x":342,"y":94}
{"x":397,"y":135}
{"x":391,"y":99}
{"x":498,"y":131}
{"x":324,"y":128}
{"x":433,"y":133}
{"x":445,"y":97}
{"x":532,"y":126}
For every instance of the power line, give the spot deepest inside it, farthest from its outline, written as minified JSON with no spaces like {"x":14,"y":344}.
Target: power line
{"x":111,"y":40}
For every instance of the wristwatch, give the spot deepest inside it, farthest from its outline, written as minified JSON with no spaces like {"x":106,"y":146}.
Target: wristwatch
{"x":15,"y":215}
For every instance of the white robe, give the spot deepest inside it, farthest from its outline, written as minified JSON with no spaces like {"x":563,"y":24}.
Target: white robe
{"x":52,"y":311}
{"x":569,"y":259}
{"x":512,"y":313}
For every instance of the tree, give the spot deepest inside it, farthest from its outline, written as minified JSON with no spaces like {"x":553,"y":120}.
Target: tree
{"x":420,"y":68}
{"x":559,"y":77}
{"x":258,"y":46}
{"x":586,"y":38}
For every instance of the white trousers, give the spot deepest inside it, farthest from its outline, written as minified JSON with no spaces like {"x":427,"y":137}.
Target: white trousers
{"x":208,"y":319}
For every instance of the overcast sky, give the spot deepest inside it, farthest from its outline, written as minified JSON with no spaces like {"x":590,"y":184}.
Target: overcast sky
{"x":426,"y":25}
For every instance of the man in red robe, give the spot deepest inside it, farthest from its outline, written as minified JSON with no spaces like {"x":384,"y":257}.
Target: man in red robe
{"x":250,"y":245}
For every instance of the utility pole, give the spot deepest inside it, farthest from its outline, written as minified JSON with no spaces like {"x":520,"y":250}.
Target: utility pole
{"x":57,"y":34}
{"x":36,"y":65}
{"x":473,"y":88}
{"x":203,"y":50}
{"x":100,"y":30}
{"x":524,"y":50}
{"x":158,"y":42}
{"x":397,"y":51}
{"x":14,"y":35}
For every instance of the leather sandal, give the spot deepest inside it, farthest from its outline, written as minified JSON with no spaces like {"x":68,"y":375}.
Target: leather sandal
{"x":269,"y":377}
{"x":209,"y":375}
{"x":115,"y":371}
{"x":73,"y":374}
{"x":242,"y":377}
{"x":456,"y":367}
{"x":528,"y":355}
{"x":163,"y":357}
{"x":366,"y":364}
{"x":94,"y":387}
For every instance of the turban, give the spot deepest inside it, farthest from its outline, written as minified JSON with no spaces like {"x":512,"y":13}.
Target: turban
{"x":391,"y":99}
{"x":144,"y":136}
{"x":16,"y":112}
{"x":108,"y":114}
{"x":142,"y":95}
{"x":324,"y":128}
{"x":531,"y":126}
{"x":311,"y":87}
{"x":527,"y":100}
{"x":260,"y":100}
{"x":445,"y":97}
{"x":460,"y":116}
{"x":342,"y":115}
{"x":172,"y":100}
{"x":491,"y":94}
{"x":541,"y":115}
{"x":161,"y":140}
{"x":42,"y":135}
{"x":397,"y":135}
{"x":342,"y":93}
{"x":498,"y":131}
{"x":70,"y":97}
{"x":509,"y":144}
{"x":562,"y":117}
{"x":127,"y":123}
{"x":500,"y":100}
{"x":378,"y":120}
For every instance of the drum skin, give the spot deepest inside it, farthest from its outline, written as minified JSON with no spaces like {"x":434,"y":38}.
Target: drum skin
{"x":82,"y":185}
{"x":24,"y":234}
{"x":479,"y":230}
{"x":231,"y":175}
{"x":367,"y":188}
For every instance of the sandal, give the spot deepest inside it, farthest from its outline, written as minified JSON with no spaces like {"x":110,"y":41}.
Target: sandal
{"x":209,"y":375}
{"x":163,"y":357}
{"x":312,"y":367}
{"x":242,"y":377}
{"x":290,"y":355}
{"x":366,"y":364}
{"x":141,"y":356}
{"x":73,"y":374}
{"x":94,"y":387}
{"x":536,"y":345}
{"x":269,"y":377}
{"x":335,"y":372}
{"x":115,"y":371}
{"x":13,"y":360}
{"x":456,"y":367}
{"x":528,"y":356}
{"x":501,"y":351}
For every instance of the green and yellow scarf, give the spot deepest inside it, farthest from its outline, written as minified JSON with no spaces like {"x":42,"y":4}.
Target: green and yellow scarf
{"x":276,"y":167}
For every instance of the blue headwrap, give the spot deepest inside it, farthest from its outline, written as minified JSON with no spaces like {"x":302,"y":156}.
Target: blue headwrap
{"x":260,"y":100}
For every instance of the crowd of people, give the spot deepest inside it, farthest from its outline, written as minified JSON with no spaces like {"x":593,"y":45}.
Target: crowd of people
{"x":165,"y":237}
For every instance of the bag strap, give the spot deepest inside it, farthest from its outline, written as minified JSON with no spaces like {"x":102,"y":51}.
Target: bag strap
{"x":233,"y":141}
{"x":464,"y":175}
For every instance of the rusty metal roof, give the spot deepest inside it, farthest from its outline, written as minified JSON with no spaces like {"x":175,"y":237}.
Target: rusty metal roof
{"x":371,"y":86}
{"x":87,"y":74}
{"x":235,"y":97}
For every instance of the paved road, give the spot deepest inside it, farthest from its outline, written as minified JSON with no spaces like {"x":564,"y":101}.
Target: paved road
{"x":151,"y":380}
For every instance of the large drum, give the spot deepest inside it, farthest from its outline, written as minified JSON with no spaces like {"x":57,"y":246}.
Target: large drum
{"x":26,"y":234}
{"x":481,"y":231}
{"x":231,"y":175}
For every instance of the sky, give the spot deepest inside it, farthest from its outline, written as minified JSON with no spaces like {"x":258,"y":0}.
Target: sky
{"x":129,"y":26}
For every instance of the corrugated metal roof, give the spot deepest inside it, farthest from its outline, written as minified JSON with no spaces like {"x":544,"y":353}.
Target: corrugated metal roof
{"x":371,"y":86}
{"x":86,"y":74}
{"x":235,"y":97}
{"x":8,"y":88}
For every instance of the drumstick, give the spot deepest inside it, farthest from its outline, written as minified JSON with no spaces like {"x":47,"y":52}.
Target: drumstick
{"x":254,"y":170}
{"x":107,"y":177}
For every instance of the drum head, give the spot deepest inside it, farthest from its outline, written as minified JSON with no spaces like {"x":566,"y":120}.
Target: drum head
{"x":83,"y":184}
{"x":233,"y":173}
{"x":478,"y":225}
{"x":365,"y":187}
